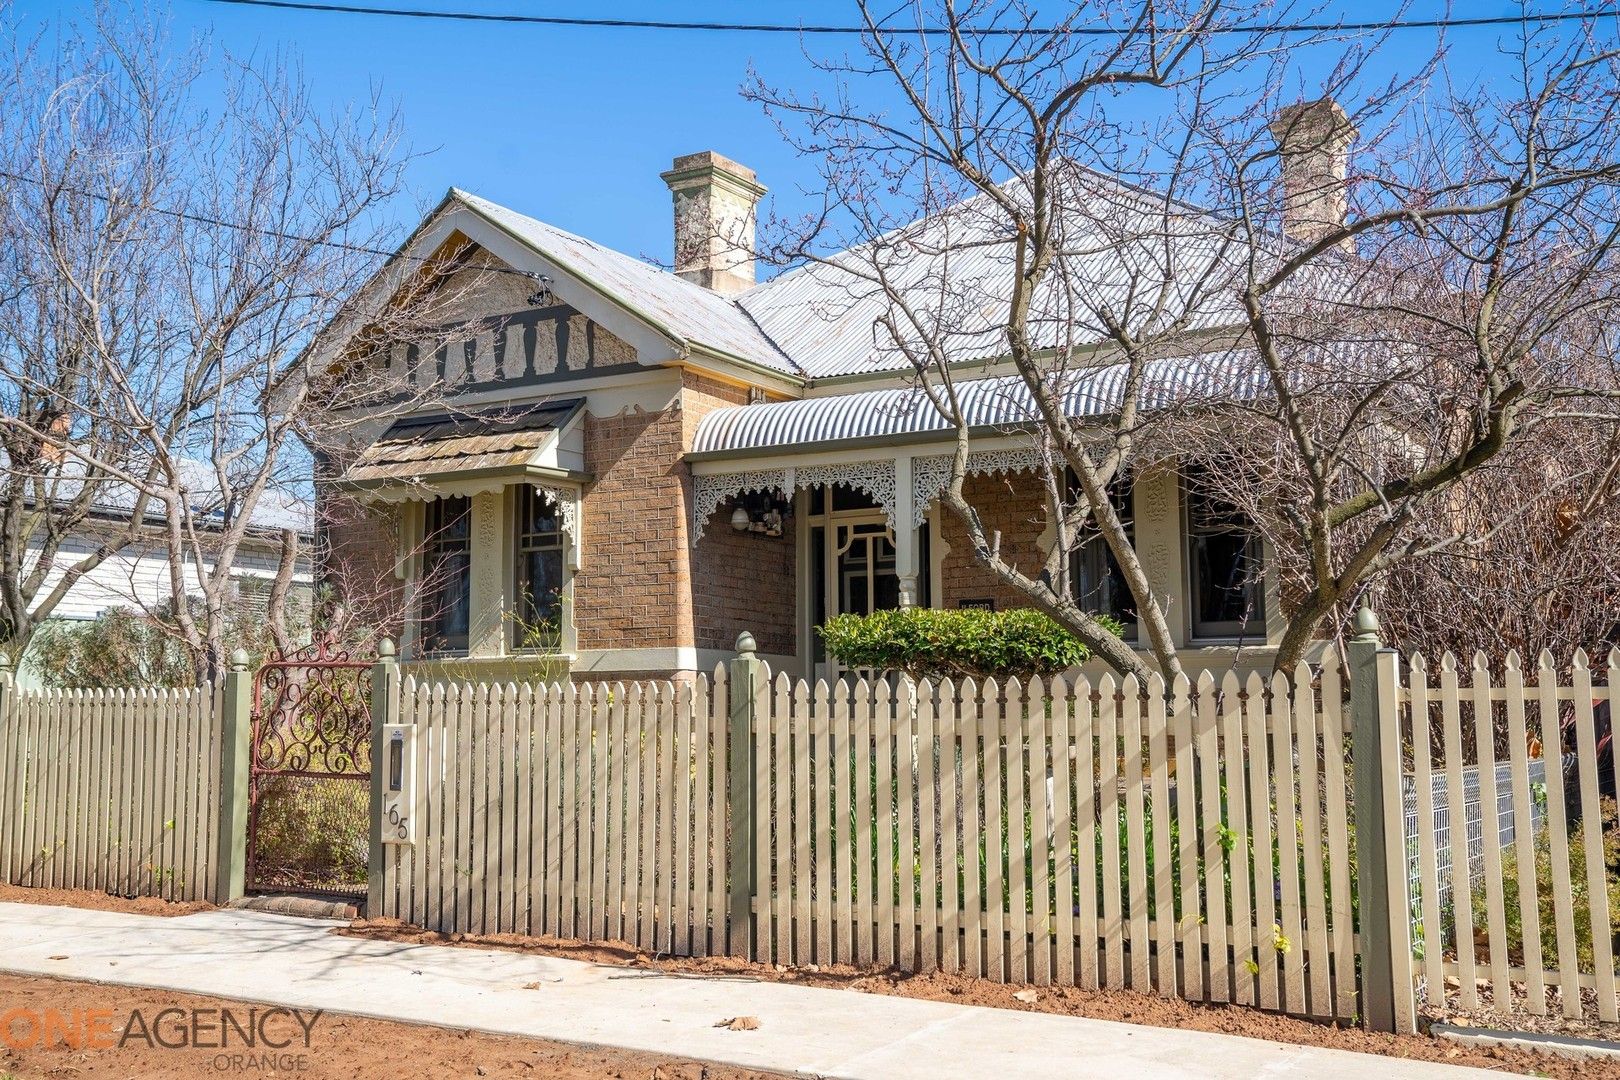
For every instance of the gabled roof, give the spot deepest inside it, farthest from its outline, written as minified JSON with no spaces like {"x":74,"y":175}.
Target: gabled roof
{"x":677,"y":308}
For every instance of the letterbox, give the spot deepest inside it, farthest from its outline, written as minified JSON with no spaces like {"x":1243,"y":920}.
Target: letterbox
{"x":399,"y":784}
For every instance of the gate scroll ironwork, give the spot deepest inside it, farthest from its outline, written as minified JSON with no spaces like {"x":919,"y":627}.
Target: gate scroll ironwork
{"x":310,"y":773}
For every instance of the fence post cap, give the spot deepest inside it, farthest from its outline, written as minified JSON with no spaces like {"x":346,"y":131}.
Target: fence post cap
{"x":746,"y":645}
{"x":1366,"y":624}
{"x":240,"y":660}
{"x":385,"y":650}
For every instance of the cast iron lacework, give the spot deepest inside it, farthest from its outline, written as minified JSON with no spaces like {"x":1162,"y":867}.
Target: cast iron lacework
{"x":567,"y":509}
{"x":875,"y":478}
{"x":929,"y":475}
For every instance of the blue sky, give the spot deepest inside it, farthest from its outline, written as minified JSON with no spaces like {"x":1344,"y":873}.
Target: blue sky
{"x":573,"y":125}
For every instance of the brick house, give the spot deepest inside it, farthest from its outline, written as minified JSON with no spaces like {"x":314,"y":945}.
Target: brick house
{"x":642,"y":464}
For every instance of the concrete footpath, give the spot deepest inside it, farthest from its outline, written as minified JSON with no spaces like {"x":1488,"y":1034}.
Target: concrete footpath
{"x":280,"y":960}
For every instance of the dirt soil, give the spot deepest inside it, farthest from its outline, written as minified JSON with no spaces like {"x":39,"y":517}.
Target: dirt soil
{"x":100,"y":901}
{"x":338,"y":1046}
{"x":1121,"y":1005}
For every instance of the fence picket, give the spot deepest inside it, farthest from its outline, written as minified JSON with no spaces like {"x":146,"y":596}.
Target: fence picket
{"x":1190,"y":917}
{"x":1164,"y":870}
{"x":801,"y":753}
{"x":971,"y":721}
{"x":1318,"y":964}
{"x":1083,"y":731}
{"x":1485,"y":763}
{"x":905,"y":822}
{"x":1136,"y":842}
{"x":1063,"y":831}
{"x":1518,"y":732}
{"x":842,"y":835}
{"x":782,"y":774}
{"x":1284,"y":763}
{"x":1040,"y":836}
{"x":1597,"y":884}
{"x":1558,"y":837}
{"x":1245,"y":967}
{"x":1261,"y":786}
{"x":1109,"y":814}
{"x":1017,"y":861}
{"x":1209,"y":786}
{"x":927,"y":833}
{"x":826,"y":765}
{"x":862,"y":883}
{"x":950,"y":832}
{"x":995,"y":834}
{"x":1462,"y":912}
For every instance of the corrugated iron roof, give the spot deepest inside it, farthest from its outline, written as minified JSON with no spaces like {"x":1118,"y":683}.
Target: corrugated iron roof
{"x":999,"y":402}
{"x":1125,"y":251}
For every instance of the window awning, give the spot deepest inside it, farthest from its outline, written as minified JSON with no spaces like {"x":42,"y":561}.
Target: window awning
{"x":492,"y":446}
{"x":905,"y":414}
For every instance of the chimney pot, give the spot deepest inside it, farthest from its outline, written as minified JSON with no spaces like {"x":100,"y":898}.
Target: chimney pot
{"x":1314,"y":140}
{"x":715,"y":200}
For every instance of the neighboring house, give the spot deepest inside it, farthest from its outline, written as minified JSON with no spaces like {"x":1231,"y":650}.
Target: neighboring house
{"x":641,"y":464}
{"x":137,"y":576}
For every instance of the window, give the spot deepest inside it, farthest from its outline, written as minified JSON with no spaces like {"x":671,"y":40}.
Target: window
{"x":538,"y":624}
{"x":446,"y":575}
{"x":1225,"y":568}
{"x":1094,"y":574}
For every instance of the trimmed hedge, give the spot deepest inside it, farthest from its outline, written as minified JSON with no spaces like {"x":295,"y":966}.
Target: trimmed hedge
{"x":933,"y":643}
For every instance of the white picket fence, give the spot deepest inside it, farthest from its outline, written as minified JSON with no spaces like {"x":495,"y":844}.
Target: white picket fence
{"x":1524,"y":963}
{"x":115,"y":790}
{"x":1189,"y":841}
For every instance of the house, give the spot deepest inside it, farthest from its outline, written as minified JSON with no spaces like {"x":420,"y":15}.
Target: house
{"x":138,"y":575}
{"x":631,"y":466}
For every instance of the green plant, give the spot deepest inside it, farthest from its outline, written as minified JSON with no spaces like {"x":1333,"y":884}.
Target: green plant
{"x":126,"y":647}
{"x":1580,"y":897}
{"x":964,"y":642}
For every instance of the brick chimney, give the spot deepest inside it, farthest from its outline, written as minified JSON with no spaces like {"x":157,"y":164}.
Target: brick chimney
{"x":714,"y":221}
{"x":1314,"y":139}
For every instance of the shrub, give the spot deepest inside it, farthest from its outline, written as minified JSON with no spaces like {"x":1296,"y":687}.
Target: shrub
{"x":1579,"y":896}
{"x":312,"y":832}
{"x":933,"y":643}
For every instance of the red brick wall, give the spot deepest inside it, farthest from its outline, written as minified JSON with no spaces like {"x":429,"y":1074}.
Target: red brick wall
{"x":1014,"y":504}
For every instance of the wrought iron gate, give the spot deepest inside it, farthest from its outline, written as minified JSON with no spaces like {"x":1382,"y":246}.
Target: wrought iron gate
{"x":310,"y":773}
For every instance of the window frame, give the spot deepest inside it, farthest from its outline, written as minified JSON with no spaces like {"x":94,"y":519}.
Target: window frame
{"x":524,"y":543}
{"x":439,"y":543}
{"x":1095,"y":549}
{"x":1199,"y":628}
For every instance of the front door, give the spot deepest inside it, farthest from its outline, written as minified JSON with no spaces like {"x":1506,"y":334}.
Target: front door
{"x":851,"y":553}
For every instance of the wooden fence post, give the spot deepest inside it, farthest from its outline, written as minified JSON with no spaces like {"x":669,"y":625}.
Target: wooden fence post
{"x":236,"y":728}
{"x":746,"y":681}
{"x":384,"y":710}
{"x":1387,"y":998}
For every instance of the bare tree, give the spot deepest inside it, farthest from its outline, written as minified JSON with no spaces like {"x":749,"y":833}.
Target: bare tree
{"x":173,"y":318}
{"x":1169,"y":266}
